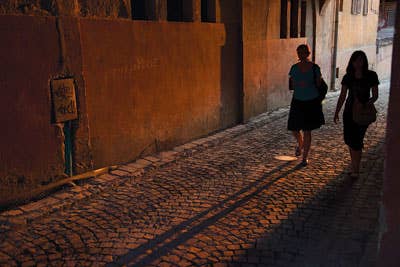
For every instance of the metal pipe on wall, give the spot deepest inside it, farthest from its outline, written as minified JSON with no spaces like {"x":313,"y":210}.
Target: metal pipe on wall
{"x":335,"y":45}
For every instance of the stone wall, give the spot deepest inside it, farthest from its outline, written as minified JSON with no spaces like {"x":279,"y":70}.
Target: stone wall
{"x":83,"y":8}
{"x":31,"y":147}
{"x":150,"y":86}
{"x":265,"y":64}
{"x":141,"y":87}
{"x":384,"y":61}
{"x":356,"y":32}
{"x":324,"y":41}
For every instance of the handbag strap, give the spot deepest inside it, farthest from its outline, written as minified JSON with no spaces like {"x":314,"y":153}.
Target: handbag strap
{"x":314,"y":67}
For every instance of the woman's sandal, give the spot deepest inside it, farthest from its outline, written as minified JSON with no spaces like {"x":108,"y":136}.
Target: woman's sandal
{"x":304,"y":163}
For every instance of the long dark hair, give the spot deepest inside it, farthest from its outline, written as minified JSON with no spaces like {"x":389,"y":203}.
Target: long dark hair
{"x":356,"y":55}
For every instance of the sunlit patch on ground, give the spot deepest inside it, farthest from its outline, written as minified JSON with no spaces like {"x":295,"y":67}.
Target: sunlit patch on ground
{"x":285,"y":158}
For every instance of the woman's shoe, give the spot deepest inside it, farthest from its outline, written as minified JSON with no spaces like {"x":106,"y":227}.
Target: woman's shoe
{"x":304,"y":163}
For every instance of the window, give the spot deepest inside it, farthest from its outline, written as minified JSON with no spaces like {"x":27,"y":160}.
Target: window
{"x":143,"y":10}
{"x":175,"y":10}
{"x":356,"y":7}
{"x":139,"y":9}
{"x":303,"y":18}
{"x":341,"y":5}
{"x":208,"y":11}
{"x":365,"y":7}
{"x":181,"y":10}
{"x":294,"y":18}
{"x":284,"y":19}
{"x":391,"y":18}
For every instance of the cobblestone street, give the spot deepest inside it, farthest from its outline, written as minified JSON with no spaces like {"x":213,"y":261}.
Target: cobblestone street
{"x":224,"y":200}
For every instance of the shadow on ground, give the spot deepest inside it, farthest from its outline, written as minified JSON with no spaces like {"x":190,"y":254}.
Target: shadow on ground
{"x":331,"y":228}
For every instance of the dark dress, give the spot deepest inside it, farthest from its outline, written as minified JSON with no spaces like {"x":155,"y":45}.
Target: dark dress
{"x":305,"y":112}
{"x":353,"y":133}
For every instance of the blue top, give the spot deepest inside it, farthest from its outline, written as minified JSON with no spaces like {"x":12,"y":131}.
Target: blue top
{"x":304,"y":83}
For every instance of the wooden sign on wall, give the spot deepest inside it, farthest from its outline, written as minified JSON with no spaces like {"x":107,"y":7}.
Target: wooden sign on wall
{"x":64,"y":99}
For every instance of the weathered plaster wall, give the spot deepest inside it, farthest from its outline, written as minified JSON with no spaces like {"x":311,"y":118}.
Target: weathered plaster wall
{"x":254,"y":57}
{"x":390,"y":231}
{"x":325,"y":19}
{"x":149,"y":85}
{"x":230,"y":14}
{"x":266,"y":58}
{"x":134,"y":96}
{"x":31,"y":147}
{"x":278,"y":68}
{"x":356,"y":32}
{"x":384,"y":61}
{"x":273,"y":17}
{"x":142,"y":86}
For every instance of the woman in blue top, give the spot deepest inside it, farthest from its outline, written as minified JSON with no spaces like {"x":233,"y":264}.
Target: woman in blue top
{"x":305,"y":110}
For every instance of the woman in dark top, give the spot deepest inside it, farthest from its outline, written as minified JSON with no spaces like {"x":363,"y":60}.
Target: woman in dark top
{"x":305,"y":110}
{"x":359,"y":81}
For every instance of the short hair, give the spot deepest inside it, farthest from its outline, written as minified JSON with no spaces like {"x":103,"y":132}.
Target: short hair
{"x":304,"y":47}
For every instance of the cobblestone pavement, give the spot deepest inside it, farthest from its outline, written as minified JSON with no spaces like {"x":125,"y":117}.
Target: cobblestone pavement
{"x":220,"y":204}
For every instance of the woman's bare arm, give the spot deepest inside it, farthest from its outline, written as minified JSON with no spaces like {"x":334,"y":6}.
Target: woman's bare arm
{"x":291,"y":84}
{"x":375,"y":95}
{"x":342,"y":98}
{"x":319,"y":80}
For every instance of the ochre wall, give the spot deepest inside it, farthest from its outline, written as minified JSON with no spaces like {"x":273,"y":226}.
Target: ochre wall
{"x":141,"y":87}
{"x":31,"y":147}
{"x":356,"y":32}
{"x":384,"y":62}
{"x":230,"y":14}
{"x":266,"y":58}
{"x":278,"y":70}
{"x":149,"y":85}
{"x":325,"y":38}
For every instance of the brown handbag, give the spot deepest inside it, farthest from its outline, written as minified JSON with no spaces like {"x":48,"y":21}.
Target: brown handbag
{"x":364,"y":114}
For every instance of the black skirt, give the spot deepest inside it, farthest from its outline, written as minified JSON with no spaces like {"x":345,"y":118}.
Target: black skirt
{"x":305,"y":115}
{"x":353,"y":133}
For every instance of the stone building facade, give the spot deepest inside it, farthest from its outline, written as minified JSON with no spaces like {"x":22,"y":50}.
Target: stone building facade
{"x":357,"y":30}
{"x":149,"y":74}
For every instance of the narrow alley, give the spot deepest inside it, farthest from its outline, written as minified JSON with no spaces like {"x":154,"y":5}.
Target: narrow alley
{"x":225,"y":200}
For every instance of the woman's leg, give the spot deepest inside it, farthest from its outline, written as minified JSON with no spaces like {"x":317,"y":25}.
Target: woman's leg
{"x":307,"y":144}
{"x":356,"y":156}
{"x":299,"y":139}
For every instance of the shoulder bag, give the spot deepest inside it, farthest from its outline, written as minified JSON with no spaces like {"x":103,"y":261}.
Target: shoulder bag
{"x":323,"y":87}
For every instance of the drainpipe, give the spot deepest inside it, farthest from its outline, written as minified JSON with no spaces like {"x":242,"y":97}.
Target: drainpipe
{"x":335,"y":46}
